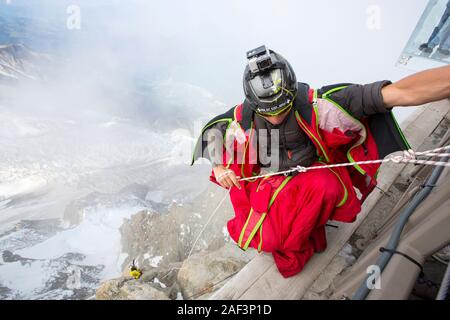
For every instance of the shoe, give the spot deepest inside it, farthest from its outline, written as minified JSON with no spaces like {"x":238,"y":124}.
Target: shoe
{"x":423,"y":46}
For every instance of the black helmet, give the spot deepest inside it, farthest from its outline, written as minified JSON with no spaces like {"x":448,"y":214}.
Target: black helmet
{"x":270,"y":85}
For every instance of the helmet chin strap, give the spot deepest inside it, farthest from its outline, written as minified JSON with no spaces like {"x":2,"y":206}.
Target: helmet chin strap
{"x":286,"y":111}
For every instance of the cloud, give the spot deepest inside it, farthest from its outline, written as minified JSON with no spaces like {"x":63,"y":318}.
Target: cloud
{"x":121,"y":44}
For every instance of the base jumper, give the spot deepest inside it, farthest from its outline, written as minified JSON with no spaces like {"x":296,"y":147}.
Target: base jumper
{"x":283,"y":124}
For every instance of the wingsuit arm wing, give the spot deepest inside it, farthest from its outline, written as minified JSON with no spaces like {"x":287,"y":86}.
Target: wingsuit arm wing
{"x":361,"y":100}
{"x":366,"y":101}
{"x":211,"y":139}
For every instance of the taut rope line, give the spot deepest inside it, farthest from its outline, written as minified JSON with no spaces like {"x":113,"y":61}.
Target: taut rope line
{"x":409,"y":156}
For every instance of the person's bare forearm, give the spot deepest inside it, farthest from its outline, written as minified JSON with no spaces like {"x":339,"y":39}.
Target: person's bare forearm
{"x":419,"y":88}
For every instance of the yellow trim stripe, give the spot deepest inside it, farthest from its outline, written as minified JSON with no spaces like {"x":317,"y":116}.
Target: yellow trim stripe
{"x":345,"y":197}
{"x":244,"y":228}
{"x":312,"y":135}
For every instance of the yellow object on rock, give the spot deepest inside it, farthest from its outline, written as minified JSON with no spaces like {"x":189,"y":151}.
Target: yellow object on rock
{"x":135,"y":273}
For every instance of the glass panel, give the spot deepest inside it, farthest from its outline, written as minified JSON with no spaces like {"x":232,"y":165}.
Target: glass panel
{"x":429,"y":44}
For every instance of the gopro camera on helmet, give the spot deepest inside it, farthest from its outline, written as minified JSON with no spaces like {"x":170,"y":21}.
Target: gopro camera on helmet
{"x":270,"y":85}
{"x":259,"y":59}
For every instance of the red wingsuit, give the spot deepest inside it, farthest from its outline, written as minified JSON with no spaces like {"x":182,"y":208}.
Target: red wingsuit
{"x":294,"y":227}
{"x":287,"y":215}
{"x":295,"y":224}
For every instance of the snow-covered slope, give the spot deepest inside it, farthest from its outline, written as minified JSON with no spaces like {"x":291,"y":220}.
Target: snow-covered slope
{"x":19,"y":62}
{"x":70,"y":176}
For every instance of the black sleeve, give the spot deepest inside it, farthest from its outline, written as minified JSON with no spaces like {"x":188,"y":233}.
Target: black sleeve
{"x":214,"y":129}
{"x":362,"y":100}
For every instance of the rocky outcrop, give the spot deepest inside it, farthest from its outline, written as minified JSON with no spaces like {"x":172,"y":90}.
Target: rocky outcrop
{"x":129,"y":289}
{"x":158,"y":239}
{"x":160,"y":244}
{"x":154,"y":284}
{"x":197,"y":277}
{"x":203,"y":273}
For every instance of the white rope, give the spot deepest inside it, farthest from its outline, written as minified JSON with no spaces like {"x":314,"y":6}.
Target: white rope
{"x":438,"y":155}
{"x":409,"y":156}
{"x":226,"y":173}
{"x":200,"y":233}
{"x":434,"y":150}
{"x":206,"y":224}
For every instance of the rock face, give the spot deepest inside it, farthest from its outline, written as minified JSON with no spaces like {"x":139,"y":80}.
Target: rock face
{"x":204,"y":272}
{"x":199,"y":275}
{"x":158,"y":239}
{"x":154,"y":284}
{"x":160,"y":244}
{"x":129,"y":289}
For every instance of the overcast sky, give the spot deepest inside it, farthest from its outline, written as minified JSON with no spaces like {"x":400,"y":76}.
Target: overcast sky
{"x":203,"y":42}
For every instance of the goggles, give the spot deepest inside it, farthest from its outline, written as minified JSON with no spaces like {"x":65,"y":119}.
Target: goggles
{"x":278,"y":112}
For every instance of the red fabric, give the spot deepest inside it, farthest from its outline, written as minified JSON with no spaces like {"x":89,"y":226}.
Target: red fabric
{"x":294,"y":227}
{"x":338,"y":142}
{"x":368,"y":151}
{"x":239,"y":112}
{"x":311,"y":95}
